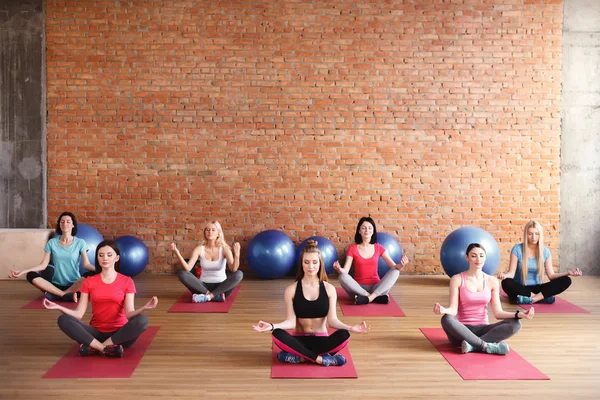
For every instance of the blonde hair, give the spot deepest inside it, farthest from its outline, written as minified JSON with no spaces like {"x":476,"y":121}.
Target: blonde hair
{"x":539,"y":251}
{"x":312,"y":246}
{"x":220,"y":238}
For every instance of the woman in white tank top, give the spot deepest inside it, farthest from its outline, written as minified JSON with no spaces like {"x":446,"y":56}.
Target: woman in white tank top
{"x":215,"y":257}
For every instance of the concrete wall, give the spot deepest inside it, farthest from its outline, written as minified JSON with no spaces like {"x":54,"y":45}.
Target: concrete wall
{"x":580,"y":164}
{"x":22,"y":249}
{"x":22,"y":115}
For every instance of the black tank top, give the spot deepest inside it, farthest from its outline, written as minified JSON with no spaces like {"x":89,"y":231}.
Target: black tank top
{"x":311,"y":309}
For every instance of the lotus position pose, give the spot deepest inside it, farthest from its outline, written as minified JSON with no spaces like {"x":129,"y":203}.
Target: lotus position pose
{"x":366,"y":287}
{"x":465,"y":320}
{"x":310,"y":305}
{"x":115,"y":323}
{"x":62,"y":280}
{"x":215,"y":255}
{"x":523,"y":283}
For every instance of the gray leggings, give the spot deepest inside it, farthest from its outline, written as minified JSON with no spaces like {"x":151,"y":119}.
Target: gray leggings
{"x":85,"y":334}
{"x":382,"y":287}
{"x":194,"y":284}
{"x":479,"y":335}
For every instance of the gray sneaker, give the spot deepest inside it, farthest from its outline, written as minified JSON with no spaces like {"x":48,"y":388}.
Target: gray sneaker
{"x":497,"y":348}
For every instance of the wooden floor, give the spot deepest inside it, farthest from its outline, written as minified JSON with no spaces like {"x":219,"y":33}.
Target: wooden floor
{"x":220,"y":356}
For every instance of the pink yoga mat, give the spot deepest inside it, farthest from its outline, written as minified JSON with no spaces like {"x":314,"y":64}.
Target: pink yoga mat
{"x":185,"y":305}
{"x":72,"y":365}
{"x":480,"y":366}
{"x":310,"y":370}
{"x":37,"y":304}
{"x":349,"y":309}
{"x":560,"y":306}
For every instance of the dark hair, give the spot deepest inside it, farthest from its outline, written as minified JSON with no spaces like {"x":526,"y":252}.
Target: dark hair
{"x":473,"y":246}
{"x":358,"y":238}
{"x":113,"y":245}
{"x":68,"y":214}
{"x":312,"y":246}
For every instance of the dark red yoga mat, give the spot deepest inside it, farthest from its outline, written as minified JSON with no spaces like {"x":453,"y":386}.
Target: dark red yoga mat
{"x":310,"y":370}
{"x":72,"y":365}
{"x":37,"y":304}
{"x":560,"y":306}
{"x":480,"y":366}
{"x":349,"y":309}
{"x":185,"y":305}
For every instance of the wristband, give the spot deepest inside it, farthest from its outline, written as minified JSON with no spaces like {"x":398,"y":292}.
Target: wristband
{"x":272,"y":327}
{"x":517,"y":314}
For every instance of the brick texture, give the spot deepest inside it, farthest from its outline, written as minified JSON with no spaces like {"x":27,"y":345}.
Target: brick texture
{"x":304,"y":116}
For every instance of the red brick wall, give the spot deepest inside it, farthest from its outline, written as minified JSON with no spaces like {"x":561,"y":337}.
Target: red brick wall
{"x":303,"y":116}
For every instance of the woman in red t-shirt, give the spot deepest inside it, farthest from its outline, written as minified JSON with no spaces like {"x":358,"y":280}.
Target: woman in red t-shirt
{"x":366,"y":287}
{"x":115,"y":322}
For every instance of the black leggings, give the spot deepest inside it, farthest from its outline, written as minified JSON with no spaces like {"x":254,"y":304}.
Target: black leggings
{"x":48,"y":273}
{"x":85,"y":334}
{"x":311,"y":346}
{"x":552,"y":288}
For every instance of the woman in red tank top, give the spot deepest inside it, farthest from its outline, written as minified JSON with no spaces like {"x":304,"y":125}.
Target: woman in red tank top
{"x":465,"y":320}
{"x":366,"y":287}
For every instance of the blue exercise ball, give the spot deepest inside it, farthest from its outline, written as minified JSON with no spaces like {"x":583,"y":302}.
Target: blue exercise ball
{"x":271,"y":254}
{"x":328,"y":252}
{"x":134,"y":255}
{"x":453,"y":252}
{"x":93,"y":238}
{"x":393,"y":249}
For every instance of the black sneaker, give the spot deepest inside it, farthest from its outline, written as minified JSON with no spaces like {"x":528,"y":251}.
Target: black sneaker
{"x":360,"y":300}
{"x":383,"y":299}
{"x":547,"y":300}
{"x":53,"y":297}
{"x":85,"y":351}
{"x":219,"y":299}
{"x":114,"y":351}
{"x":69,"y":297}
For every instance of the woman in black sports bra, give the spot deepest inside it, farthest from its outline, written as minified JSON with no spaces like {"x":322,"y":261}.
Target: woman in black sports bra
{"x":310,"y":304}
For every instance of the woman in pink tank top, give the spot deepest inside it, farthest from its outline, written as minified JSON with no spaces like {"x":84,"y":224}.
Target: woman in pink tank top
{"x":465,"y":320}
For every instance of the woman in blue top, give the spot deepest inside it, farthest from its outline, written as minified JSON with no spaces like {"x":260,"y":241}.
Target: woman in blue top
{"x":62,"y":281}
{"x":523,"y":282}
